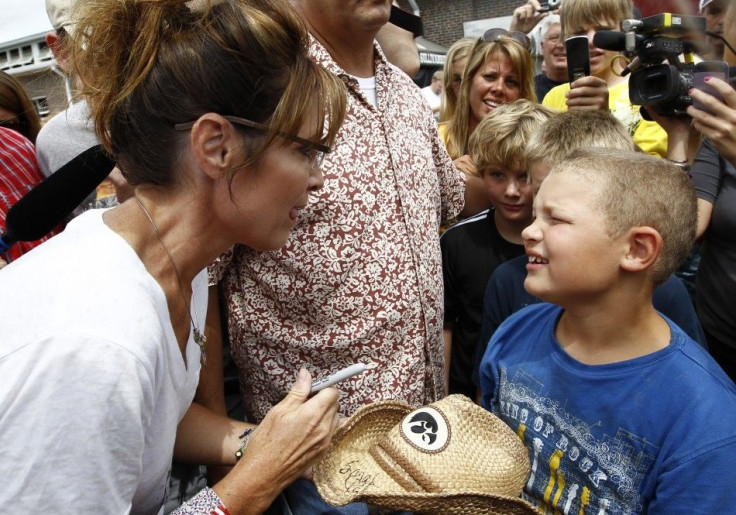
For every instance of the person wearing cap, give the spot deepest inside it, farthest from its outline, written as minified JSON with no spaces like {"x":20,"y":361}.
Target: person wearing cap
{"x":714,"y":12}
{"x":70,"y":132}
{"x":360,"y":279}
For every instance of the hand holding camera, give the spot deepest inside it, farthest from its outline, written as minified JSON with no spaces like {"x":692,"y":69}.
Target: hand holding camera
{"x":718,"y":121}
{"x":658,"y":77}
{"x":587,"y":92}
{"x":527,"y":16}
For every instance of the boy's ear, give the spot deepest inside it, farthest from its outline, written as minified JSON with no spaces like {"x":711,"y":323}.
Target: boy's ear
{"x":643,"y":246}
{"x":216,"y":145}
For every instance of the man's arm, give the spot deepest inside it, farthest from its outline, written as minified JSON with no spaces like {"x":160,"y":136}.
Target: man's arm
{"x":476,"y":198}
{"x":400,"y":48}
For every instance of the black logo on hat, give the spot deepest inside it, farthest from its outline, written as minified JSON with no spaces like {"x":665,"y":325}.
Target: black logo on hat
{"x":426,"y":429}
{"x":424,"y":425}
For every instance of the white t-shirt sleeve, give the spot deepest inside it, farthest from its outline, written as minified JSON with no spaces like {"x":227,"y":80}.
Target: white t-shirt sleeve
{"x":79,"y":422}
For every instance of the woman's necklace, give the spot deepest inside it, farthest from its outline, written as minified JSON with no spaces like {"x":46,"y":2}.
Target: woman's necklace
{"x":199,"y":338}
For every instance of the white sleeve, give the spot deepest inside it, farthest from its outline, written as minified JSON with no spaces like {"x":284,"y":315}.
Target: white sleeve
{"x":73,"y":416}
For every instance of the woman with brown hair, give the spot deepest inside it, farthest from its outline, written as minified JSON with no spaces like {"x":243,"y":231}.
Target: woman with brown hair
{"x":499,"y":70}
{"x":219,"y":120}
{"x":16,"y":109}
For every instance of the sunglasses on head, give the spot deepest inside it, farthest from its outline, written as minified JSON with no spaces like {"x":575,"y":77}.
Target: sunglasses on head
{"x":497,"y":33}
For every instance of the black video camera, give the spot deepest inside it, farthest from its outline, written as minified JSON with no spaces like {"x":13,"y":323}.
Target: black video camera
{"x":649,"y":43}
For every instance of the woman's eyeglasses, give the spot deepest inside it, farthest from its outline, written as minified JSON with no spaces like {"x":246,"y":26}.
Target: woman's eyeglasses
{"x":497,"y":33}
{"x":315,"y":152}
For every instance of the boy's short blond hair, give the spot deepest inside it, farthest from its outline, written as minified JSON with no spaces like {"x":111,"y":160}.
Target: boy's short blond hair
{"x":500,"y":138}
{"x":576,"y":14}
{"x":634,"y":189}
{"x":572,"y":130}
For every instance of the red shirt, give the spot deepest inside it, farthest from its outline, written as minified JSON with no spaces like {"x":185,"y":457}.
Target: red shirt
{"x":19,"y":173}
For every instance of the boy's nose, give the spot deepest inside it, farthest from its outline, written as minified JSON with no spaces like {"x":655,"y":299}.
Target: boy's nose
{"x":513,"y":190}
{"x":531,"y":232}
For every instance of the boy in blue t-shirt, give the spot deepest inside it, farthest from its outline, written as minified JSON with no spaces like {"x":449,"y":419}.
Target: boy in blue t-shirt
{"x":621,"y":411}
{"x":555,"y":140}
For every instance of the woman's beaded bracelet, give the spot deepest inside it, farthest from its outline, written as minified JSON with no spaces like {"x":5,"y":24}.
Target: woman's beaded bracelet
{"x":244,"y":437}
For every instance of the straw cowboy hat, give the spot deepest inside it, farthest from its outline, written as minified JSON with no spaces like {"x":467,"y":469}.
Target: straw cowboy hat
{"x":450,"y":457}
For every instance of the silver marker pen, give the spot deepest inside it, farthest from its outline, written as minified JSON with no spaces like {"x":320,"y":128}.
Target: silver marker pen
{"x":338,"y":376}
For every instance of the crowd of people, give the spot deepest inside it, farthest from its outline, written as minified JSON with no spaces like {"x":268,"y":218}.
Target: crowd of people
{"x":287,"y":202}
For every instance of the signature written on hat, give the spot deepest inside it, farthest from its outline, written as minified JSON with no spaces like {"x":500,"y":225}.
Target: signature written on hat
{"x":449,"y":457}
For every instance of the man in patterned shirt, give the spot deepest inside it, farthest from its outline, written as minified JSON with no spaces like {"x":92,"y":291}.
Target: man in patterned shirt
{"x":360,"y":278}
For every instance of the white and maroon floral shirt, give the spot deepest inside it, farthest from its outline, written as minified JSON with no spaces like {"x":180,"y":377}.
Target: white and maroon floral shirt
{"x":360,"y":279}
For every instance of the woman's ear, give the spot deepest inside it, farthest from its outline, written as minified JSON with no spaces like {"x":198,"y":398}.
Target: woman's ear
{"x":643,"y":247}
{"x":216,"y":145}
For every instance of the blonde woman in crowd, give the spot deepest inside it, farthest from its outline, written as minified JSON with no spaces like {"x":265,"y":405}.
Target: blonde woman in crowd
{"x":499,"y":70}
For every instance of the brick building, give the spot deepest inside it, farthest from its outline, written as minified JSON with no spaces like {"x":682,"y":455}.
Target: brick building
{"x":443,"y":19}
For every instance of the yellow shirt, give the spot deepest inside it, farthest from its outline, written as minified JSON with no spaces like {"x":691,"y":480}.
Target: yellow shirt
{"x":442,"y":128}
{"x":650,"y":136}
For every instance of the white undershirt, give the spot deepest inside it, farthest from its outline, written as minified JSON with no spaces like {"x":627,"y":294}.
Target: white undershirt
{"x":368,"y":88}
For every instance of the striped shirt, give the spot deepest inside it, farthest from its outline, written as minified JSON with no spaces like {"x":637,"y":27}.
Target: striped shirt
{"x":19,"y":173}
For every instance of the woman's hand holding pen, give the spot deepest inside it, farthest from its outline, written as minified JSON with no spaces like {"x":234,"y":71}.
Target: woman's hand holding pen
{"x":291,"y":437}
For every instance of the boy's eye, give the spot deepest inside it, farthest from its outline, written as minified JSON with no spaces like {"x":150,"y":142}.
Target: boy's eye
{"x":553,"y":220}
